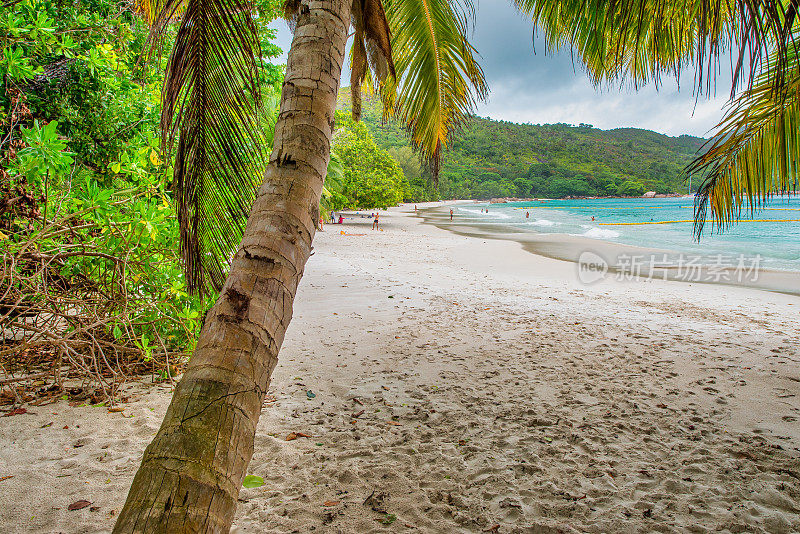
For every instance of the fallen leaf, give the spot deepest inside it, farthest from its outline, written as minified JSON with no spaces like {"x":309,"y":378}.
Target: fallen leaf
{"x":16,"y":411}
{"x":330,"y":503}
{"x":358,"y":414}
{"x":116,"y":409}
{"x":493,"y":528}
{"x":393,"y":423}
{"x":291,"y":437}
{"x":302,"y":435}
{"x":252,"y":481}
{"x":94,"y":508}
{"x":78,"y":505}
{"x":6,"y":477}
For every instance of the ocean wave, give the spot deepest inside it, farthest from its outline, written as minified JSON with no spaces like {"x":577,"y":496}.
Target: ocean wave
{"x":483,"y":214}
{"x":542,"y":222}
{"x":598,"y":233}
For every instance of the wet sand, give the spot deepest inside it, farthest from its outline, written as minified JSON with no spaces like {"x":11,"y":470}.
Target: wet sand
{"x":618,"y":258}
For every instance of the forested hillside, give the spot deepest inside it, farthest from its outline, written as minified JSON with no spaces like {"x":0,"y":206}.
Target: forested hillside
{"x":490,"y":158}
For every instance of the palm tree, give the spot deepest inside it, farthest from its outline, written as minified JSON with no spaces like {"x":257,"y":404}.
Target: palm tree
{"x":420,"y":59}
{"x":756,"y":151}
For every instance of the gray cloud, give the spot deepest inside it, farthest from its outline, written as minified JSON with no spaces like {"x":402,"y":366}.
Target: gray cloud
{"x":547,"y":88}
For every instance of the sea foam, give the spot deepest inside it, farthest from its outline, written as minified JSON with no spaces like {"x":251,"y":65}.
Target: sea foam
{"x":599,"y":233}
{"x":542,"y":222}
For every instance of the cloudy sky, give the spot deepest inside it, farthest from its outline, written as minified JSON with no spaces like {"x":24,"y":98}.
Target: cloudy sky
{"x":546,"y":88}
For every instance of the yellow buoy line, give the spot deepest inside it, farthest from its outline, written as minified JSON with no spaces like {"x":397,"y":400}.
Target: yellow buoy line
{"x":600,"y":208}
{"x":692,"y":220}
{"x":757,"y":209}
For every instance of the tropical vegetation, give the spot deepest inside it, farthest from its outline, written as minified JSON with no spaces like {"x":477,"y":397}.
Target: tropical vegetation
{"x":490,"y":158}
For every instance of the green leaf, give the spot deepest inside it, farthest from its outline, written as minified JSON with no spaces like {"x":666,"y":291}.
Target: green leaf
{"x":439,"y":80}
{"x":252,"y":481}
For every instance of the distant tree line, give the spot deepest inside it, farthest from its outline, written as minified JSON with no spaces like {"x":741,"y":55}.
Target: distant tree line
{"x":489,"y":158}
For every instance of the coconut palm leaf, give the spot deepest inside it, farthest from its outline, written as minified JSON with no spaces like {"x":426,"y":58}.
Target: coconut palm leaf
{"x":334,"y":182}
{"x":438,"y":79}
{"x":639,"y":40}
{"x":371,"y":54}
{"x":151,"y":10}
{"x":212,"y":112}
{"x":756,"y":153}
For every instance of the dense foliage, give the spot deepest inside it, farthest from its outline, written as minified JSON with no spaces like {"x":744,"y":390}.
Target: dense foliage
{"x":489,"y":158}
{"x":87,"y":218}
{"x":370,"y":177}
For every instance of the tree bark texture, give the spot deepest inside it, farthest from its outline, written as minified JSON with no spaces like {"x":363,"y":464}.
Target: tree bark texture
{"x":191,"y":473}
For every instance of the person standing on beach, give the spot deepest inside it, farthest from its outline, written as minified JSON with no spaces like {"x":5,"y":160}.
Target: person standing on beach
{"x":375,"y":222}
{"x":527,"y":214}
{"x":451,"y":214}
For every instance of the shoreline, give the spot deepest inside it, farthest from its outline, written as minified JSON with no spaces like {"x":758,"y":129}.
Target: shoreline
{"x":570,"y":248}
{"x":464,"y":383}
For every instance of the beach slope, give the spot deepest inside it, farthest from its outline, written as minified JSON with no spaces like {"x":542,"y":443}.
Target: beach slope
{"x":448,"y":383}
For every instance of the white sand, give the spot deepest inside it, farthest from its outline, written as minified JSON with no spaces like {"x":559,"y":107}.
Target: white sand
{"x":521,"y":399}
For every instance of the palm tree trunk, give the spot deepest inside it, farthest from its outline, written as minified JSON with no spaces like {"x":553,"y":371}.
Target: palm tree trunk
{"x":192,"y":471}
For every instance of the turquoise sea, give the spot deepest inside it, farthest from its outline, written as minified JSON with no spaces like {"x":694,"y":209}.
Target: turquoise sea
{"x":776,"y":241}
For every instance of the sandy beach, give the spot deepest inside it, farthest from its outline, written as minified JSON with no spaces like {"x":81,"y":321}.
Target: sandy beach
{"x":464,"y":384}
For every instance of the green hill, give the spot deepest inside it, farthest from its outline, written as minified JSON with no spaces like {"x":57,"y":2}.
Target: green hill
{"x":489,"y":158}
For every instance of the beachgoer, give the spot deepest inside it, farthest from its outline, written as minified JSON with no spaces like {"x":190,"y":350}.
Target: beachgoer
{"x":592,"y":217}
{"x":341,"y":219}
{"x":320,"y":222}
{"x":415,"y":208}
{"x":451,"y":214}
{"x":527,"y":214}
{"x":375,"y":222}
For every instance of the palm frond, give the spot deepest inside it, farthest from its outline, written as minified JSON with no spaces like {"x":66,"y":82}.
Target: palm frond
{"x":212,"y":110}
{"x":640,"y":40}
{"x":334,"y":178}
{"x":756,"y":153}
{"x":371,"y":48}
{"x":150,"y":10}
{"x":438,"y":81}
{"x":334,"y":182}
